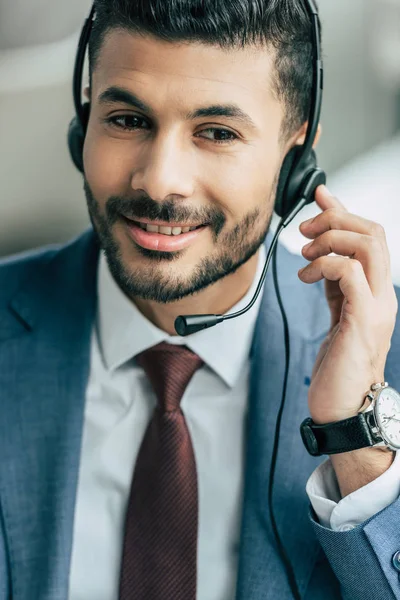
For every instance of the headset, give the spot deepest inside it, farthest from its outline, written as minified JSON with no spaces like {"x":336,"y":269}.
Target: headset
{"x":299,"y":178}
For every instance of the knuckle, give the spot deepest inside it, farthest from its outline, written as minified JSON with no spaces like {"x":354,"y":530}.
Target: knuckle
{"x":373,"y":243}
{"x":333,"y":215}
{"x":329,"y":235}
{"x":354,"y":267}
{"x":377,"y":230}
{"x":331,"y":211}
{"x":327,"y":238}
{"x":319,"y":263}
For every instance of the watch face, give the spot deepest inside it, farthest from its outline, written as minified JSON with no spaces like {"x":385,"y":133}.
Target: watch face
{"x":387,"y":413}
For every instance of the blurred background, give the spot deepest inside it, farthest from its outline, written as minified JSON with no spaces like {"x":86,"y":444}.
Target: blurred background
{"x":42,"y":199}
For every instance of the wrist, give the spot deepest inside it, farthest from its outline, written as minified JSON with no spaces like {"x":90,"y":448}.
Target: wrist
{"x":334,"y":414}
{"x":358,"y":468}
{"x":336,"y":417}
{"x":325,"y":418}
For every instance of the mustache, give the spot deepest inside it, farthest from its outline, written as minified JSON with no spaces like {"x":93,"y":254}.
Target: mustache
{"x":169,"y":211}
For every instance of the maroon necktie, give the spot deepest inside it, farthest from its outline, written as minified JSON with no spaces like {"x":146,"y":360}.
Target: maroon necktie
{"x":160,"y":544}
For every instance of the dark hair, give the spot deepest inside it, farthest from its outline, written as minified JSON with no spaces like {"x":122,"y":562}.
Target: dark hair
{"x":283,"y":25}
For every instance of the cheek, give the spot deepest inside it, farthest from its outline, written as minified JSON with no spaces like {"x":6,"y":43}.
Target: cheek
{"x":244,"y":185}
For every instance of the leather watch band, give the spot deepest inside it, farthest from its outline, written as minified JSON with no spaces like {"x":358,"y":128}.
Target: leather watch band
{"x":335,"y":438}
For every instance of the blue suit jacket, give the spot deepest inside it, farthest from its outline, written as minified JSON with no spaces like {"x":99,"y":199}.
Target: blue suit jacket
{"x":47,"y":307}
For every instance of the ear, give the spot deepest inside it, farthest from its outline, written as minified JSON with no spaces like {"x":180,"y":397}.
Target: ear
{"x":86,"y":93}
{"x":301,"y":135}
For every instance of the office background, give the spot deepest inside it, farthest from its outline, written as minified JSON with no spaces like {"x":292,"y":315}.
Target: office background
{"x":42,"y":200}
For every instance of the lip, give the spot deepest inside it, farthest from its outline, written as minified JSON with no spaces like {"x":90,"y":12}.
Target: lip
{"x":160,"y":241}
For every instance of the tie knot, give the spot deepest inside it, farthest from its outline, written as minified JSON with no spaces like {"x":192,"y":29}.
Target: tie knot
{"x":169,"y":368}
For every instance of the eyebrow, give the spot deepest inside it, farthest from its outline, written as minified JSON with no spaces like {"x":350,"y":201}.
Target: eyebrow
{"x":117,"y":95}
{"x":232,"y":111}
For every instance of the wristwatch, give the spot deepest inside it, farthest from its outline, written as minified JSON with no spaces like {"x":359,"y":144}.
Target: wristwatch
{"x":376,"y":425}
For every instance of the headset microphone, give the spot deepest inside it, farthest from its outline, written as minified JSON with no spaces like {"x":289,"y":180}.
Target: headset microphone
{"x":185,"y":325}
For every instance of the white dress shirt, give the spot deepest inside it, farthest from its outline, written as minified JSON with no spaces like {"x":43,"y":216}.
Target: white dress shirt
{"x":119,"y":406}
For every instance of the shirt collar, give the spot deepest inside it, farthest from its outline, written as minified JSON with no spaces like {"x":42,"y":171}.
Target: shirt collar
{"x":124,"y":331}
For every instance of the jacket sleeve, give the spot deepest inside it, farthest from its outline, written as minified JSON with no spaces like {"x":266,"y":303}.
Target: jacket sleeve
{"x":362,"y":558}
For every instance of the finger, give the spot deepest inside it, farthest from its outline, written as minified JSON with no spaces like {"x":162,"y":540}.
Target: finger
{"x":338,"y":220}
{"x":348,"y":272}
{"x":368,"y":250}
{"x":334,"y":298}
{"x":325,"y":199}
{"x":341,"y":220}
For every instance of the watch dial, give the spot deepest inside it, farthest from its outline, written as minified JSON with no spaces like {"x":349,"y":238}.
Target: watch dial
{"x":387,"y":412}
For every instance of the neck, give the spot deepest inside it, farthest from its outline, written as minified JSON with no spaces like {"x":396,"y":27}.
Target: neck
{"x":216,"y":299}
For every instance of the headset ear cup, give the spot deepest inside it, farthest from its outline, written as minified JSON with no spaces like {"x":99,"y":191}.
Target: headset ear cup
{"x":286,"y":171}
{"x":292,"y":179}
{"x":75,"y":143}
{"x":76,"y":137}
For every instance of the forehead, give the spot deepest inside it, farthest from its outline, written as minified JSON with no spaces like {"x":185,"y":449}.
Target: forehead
{"x":182,"y":69}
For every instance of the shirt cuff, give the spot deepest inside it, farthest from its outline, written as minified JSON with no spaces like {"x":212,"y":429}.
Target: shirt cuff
{"x":343,"y":514}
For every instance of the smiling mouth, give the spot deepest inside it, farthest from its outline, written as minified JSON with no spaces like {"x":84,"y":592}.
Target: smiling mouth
{"x":170,"y":230}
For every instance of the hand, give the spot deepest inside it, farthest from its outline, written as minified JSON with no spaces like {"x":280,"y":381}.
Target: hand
{"x":362,"y":303}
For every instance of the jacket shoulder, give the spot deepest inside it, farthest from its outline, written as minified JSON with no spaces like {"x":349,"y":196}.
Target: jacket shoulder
{"x":14,"y":269}
{"x":47,"y":262}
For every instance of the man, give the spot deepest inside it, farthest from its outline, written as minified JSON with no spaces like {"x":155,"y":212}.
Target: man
{"x":120,"y":480}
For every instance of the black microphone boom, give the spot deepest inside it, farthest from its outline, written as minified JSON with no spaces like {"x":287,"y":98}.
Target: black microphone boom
{"x":187,"y":324}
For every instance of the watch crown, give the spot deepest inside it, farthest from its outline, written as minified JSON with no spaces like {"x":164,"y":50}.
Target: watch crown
{"x":308,"y":437}
{"x":379,"y":386}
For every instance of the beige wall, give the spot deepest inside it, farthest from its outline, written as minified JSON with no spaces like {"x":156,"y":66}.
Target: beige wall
{"x":25,"y":24}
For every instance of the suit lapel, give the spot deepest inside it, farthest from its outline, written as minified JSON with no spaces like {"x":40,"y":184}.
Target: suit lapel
{"x":44,"y":366}
{"x":261,"y":572}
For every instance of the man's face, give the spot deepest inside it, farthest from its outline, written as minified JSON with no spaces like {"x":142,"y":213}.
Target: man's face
{"x":180,"y":135}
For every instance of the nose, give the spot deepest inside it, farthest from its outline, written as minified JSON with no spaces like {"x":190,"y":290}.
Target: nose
{"x":166,"y":169}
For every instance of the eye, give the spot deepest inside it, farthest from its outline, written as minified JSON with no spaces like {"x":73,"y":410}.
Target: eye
{"x":219,"y":136}
{"x":127,"y":122}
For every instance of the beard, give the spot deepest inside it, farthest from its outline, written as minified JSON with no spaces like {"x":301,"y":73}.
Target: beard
{"x":233,"y":247}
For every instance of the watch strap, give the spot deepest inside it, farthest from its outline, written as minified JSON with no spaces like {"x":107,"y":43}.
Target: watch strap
{"x":342,"y":436}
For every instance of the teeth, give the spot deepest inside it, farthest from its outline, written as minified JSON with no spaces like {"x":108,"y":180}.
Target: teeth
{"x":165,"y":229}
